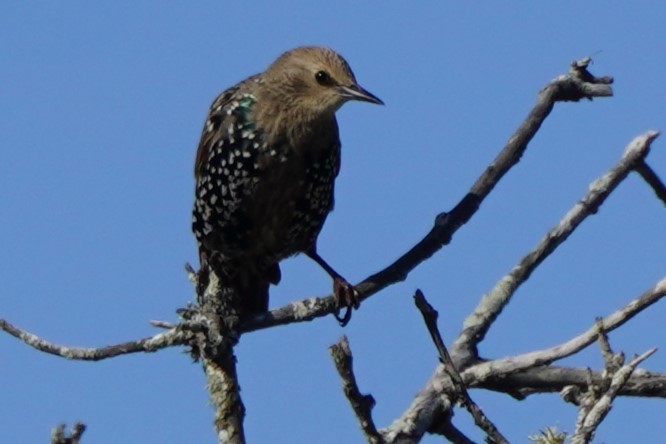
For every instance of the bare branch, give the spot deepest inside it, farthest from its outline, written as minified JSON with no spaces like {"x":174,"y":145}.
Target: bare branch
{"x":591,"y":417}
{"x":431,"y":404}
{"x":524,"y":374}
{"x":576,"y":85}
{"x":476,"y":326}
{"x":362,"y":404}
{"x":480,"y":419}
{"x":222,"y":382}
{"x":180,"y":335}
{"x":552,"y":379}
{"x":652,"y":179}
{"x":525,"y":361}
{"x":430,"y":316}
{"x":58,"y":435}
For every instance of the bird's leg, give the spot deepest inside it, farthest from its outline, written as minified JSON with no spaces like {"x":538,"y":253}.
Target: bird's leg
{"x":344,"y":292}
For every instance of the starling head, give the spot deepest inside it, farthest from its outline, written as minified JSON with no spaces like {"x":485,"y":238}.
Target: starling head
{"x":315,"y":80}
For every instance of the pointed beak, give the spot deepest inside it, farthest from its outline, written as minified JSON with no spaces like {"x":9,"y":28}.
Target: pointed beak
{"x":355,"y":92}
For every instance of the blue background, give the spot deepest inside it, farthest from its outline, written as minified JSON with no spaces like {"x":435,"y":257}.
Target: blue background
{"x":101,"y":108}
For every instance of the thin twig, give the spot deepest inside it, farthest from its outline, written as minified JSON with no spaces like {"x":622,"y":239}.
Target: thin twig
{"x":604,"y":343}
{"x":612,"y":361}
{"x":648,"y":174}
{"x":362,"y":404}
{"x":480,"y":419}
{"x":576,"y":85}
{"x":477,"y":324}
{"x":163,"y":324}
{"x":181,"y":335}
{"x":430,"y":316}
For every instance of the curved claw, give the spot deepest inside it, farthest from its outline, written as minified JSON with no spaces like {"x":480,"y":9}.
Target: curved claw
{"x":346,"y":297}
{"x":343,"y":320}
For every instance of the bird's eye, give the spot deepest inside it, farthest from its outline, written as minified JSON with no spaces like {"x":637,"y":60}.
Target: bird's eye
{"x":323,"y":78}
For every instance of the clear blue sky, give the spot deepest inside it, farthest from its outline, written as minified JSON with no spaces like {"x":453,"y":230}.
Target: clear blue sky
{"x":102,"y":105}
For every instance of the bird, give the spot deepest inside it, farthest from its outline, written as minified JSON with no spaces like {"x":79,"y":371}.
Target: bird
{"x":265,"y":172}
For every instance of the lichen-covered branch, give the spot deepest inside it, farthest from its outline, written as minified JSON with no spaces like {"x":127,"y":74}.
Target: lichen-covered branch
{"x":218,"y":310}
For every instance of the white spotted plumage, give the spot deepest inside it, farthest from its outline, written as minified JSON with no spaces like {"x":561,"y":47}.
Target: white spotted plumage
{"x":266,"y":166}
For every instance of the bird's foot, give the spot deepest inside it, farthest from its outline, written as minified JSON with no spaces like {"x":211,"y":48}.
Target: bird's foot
{"x":347,"y":298}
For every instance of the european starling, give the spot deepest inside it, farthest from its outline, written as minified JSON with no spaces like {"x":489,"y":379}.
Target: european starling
{"x":265,"y":171}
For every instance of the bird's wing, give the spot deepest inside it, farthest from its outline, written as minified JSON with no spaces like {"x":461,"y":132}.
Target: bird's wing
{"x":228,"y":108}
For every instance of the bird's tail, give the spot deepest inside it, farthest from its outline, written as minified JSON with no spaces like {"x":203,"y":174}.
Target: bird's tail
{"x":250,"y":281}
{"x":253,"y":292}
{"x":252,"y":284}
